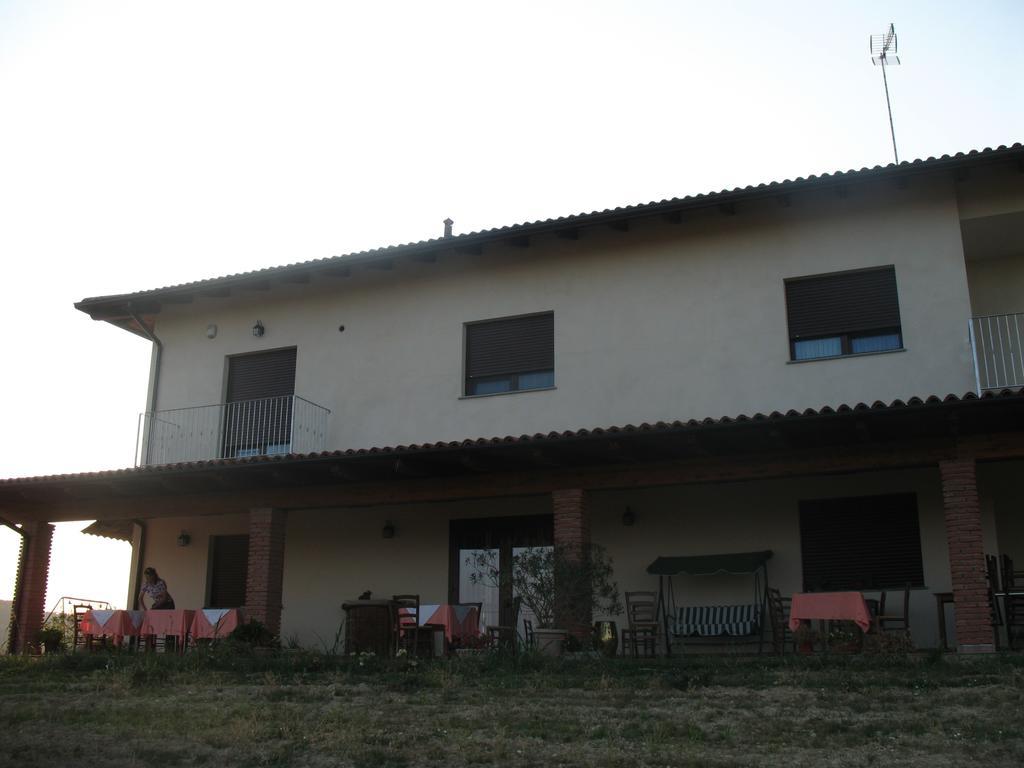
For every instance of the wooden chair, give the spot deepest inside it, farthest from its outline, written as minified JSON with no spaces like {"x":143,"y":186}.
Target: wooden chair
{"x":897,"y":621}
{"x":80,"y":640}
{"x":505,"y":637}
{"x":528,"y":633}
{"x":994,"y":594}
{"x":1013,"y":604}
{"x":407,"y":623}
{"x":642,"y":632}
{"x":778,"y":620}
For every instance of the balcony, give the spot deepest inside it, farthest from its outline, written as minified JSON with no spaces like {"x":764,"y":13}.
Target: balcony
{"x":273,"y":425}
{"x":996,"y":343}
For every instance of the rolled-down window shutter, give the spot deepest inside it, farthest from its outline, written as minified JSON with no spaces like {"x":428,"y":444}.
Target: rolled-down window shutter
{"x":229,"y":571}
{"x":258,"y":415}
{"x":861,"y":543}
{"x":263,"y":374}
{"x":510,"y":346}
{"x":842,"y":303}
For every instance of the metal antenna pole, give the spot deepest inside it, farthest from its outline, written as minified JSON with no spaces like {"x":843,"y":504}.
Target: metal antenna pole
{"x":883,"y":53}
{"x":892,"y":130}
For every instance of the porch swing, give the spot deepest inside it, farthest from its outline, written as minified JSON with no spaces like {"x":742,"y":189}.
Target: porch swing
{"x":715,"y":622}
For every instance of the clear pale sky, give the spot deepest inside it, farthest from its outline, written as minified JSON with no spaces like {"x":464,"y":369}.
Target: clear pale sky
{"x":145,"y":144}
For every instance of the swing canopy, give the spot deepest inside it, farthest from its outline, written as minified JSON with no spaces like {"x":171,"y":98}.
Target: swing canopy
{"x":737,"y":563}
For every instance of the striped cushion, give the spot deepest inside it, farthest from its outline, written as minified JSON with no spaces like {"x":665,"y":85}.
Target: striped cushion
{"x":716,"y":620}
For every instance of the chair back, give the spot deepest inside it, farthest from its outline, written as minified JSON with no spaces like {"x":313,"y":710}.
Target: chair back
{"x":776,"y":608}
{"x":528,"y":632}
{"x":79,"y":611}
{"x":992,"y":576}
{"x":1009,"y":575}
{"x":642,"y":608}
{"x":906,"y":603}
{"x":407,"y":611}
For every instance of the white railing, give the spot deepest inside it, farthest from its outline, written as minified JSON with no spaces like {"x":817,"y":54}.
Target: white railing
{"x":996,"y":344}
{"x":272,"y":425}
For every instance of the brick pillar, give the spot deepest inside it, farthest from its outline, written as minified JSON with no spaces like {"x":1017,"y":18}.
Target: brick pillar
{"x":265,"y":576}
{"x":30,"y":587}
{"x":966,"y":556}
{"x":572,"y":542}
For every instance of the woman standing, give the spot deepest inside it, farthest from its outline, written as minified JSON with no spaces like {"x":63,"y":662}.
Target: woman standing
{"x":156,"y":588}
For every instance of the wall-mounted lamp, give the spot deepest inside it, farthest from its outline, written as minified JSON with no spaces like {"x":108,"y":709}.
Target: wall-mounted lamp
{"x":388,"y":531}
{"x":258,"y":329}
{"x":211,"y":331}
{"x":628,"y":517}
{"x":183,"y":539}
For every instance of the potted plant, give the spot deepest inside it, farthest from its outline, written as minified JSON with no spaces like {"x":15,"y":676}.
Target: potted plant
{"x":544,"y":576}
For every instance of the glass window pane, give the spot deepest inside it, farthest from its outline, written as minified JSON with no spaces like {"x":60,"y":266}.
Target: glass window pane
{"x":536,"y":380}
{"x":490,"y":386}
{"x":878,"y":343}
{"x":812,"y":348}
{"x":476,"y":567}
{"x":525,"y":612}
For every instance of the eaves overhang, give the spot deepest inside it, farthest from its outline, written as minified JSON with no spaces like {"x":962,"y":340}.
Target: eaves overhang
{"x":117,"y":309}
{"x":885,"y":428}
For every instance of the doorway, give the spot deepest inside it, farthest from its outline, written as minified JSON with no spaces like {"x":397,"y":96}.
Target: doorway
{"x":496,"y":541}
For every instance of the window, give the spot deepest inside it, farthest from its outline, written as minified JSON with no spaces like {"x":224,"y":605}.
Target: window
{"x":510,"y":355}
{"x":228,"y":572}
{"x":258,"y":406}
{"x":844,"y":313}
{"x":861,"y":543}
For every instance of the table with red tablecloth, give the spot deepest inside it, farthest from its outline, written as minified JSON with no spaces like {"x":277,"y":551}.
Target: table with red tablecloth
{"x":213,"y":623}
{"x":829,"y":606}
{"x":111,"y":623}
{"x":175,"y":622}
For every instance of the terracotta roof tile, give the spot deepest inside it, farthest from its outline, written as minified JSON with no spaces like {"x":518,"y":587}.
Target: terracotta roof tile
{"x":577,"y":219}
{"x":539,"y":438}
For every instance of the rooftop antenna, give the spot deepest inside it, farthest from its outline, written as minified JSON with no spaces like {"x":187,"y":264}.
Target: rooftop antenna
{"x":883,"y":54}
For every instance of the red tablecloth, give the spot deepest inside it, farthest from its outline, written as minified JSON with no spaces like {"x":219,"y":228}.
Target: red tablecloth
{"x":212,"y":623}
{"x":835,"y":606}
{"x":176,"y":622}
{"x":118,"y":623}
{"x":457,"y":620}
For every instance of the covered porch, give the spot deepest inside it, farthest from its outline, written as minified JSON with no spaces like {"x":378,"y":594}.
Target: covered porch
{"x":325,"y":528}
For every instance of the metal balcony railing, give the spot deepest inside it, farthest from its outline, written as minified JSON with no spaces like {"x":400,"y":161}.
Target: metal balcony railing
{"x":272,"y":425}
{"x":998,"y":358}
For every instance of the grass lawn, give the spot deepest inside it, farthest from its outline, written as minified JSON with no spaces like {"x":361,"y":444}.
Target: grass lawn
{"x":306,"y":709}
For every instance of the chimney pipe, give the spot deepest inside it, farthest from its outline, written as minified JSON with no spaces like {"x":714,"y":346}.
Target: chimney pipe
{"x":448,"y":227}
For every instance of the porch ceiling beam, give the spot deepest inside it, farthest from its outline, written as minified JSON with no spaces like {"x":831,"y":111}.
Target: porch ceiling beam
{"x":475,"y":462}
{"x":404,"y":466}
{"x":405,"y":490}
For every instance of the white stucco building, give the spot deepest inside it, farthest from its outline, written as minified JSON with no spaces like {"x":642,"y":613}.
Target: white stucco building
{"x":357,"y":423}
